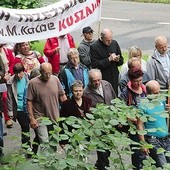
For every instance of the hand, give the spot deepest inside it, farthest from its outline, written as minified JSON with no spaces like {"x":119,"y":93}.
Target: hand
{"x":114,"y":57}
{"x":146,"y":151}
{"x":62,"y":146}
{"x":33,"y":123}
{"x":134,"y":121}
{"x":57,"y":49}
{"x":168,"y":107}
{"x":7,"y":76}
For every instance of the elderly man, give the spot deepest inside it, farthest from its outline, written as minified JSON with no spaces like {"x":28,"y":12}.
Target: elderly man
{"x":158,"y":65}
{"x":43,"y":95}
{"x":133,"y":63}
{"x":99,"y":91}
{"x":84,"y":47}
{"x":73,"y":70}
{"x":106,"y":56}
{"x":157,"y":129}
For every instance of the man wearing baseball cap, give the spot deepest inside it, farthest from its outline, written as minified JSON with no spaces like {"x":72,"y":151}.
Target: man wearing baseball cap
{"x":84,"y":47}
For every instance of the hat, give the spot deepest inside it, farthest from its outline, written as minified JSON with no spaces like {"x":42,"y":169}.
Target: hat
{"x":87,"y":30}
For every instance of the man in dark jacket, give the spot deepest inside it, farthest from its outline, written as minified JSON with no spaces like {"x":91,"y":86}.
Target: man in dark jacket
{"x":99,"y":91}
{"x":106,"y":55}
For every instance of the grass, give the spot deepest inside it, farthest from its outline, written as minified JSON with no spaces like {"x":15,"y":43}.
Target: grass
{"x":39,"y":46}
{"x":150,"y":1}
{"x":125,"y":56}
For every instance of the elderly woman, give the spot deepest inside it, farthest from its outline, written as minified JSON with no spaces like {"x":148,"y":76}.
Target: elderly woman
{"x":74,"y":70}
{"x":30,"y":59}
{"x":132,"y":94}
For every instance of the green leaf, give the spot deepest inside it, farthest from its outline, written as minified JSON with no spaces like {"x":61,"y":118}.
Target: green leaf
{"x":167,"y":154}
{"x":46,"y":121}
{"x":97,"y":132}
{"x":152,"y":130}
{"x":89,"y":116}
{"x":143,"y":118}
{"x":76,"y":126}
{"x":114,"y":122}
{"x":72,"y":162}
{"x":160,"y":150}
{"x":165,"y":115}
{"x":64,"y":137}
{"x":142,"y":132}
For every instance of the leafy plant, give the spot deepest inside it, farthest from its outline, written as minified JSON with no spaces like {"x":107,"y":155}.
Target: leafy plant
{"x":100,"y":130}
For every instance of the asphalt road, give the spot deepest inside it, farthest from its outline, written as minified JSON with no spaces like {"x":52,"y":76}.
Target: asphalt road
{"x":132,"y":24}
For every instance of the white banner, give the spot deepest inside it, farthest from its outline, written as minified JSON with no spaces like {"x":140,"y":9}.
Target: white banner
{"x":57,"y":19}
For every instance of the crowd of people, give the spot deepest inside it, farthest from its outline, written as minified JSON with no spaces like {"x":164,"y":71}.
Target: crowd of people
{"x":71,"y":80}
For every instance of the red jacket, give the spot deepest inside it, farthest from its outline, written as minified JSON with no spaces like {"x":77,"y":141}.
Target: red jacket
{"x":53,"y":57}
{"x":10,"y":58}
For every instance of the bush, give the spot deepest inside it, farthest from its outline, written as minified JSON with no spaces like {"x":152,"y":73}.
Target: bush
{"x":20,"y":4}
{"x":96,"y":132}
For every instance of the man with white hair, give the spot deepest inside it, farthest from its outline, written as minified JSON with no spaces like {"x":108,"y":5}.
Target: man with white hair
{"x":99,"y":91}
{"x":158,"y":64}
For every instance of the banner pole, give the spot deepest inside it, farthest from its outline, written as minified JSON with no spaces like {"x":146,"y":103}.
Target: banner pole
{"x":99,"y":24}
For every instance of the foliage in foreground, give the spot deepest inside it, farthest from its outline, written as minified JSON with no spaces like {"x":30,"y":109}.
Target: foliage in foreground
{"x":20,"y":4}
{"x":25,"y":4}
{"x":97,"y":132}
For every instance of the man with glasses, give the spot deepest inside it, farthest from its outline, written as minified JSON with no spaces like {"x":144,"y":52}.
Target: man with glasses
{"x":43,"y":97}
{"x":106,"y":55}
{"x":84,"y":47}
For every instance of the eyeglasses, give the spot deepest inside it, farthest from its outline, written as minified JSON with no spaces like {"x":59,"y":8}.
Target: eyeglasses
{"x":47,"y":74}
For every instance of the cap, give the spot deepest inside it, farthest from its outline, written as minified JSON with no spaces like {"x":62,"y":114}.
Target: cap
{"x":87,"y":30}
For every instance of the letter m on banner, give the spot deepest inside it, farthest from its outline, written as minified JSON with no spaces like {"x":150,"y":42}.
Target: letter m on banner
{"x":57,"y":19}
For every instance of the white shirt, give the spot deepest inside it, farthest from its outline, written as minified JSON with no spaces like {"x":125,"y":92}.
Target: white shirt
{"x":164,"y":59}
{"x":64,"y":47}
{"x":99,"y":90}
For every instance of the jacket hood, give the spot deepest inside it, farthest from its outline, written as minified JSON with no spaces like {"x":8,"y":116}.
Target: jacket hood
{"x":155,"y":53}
